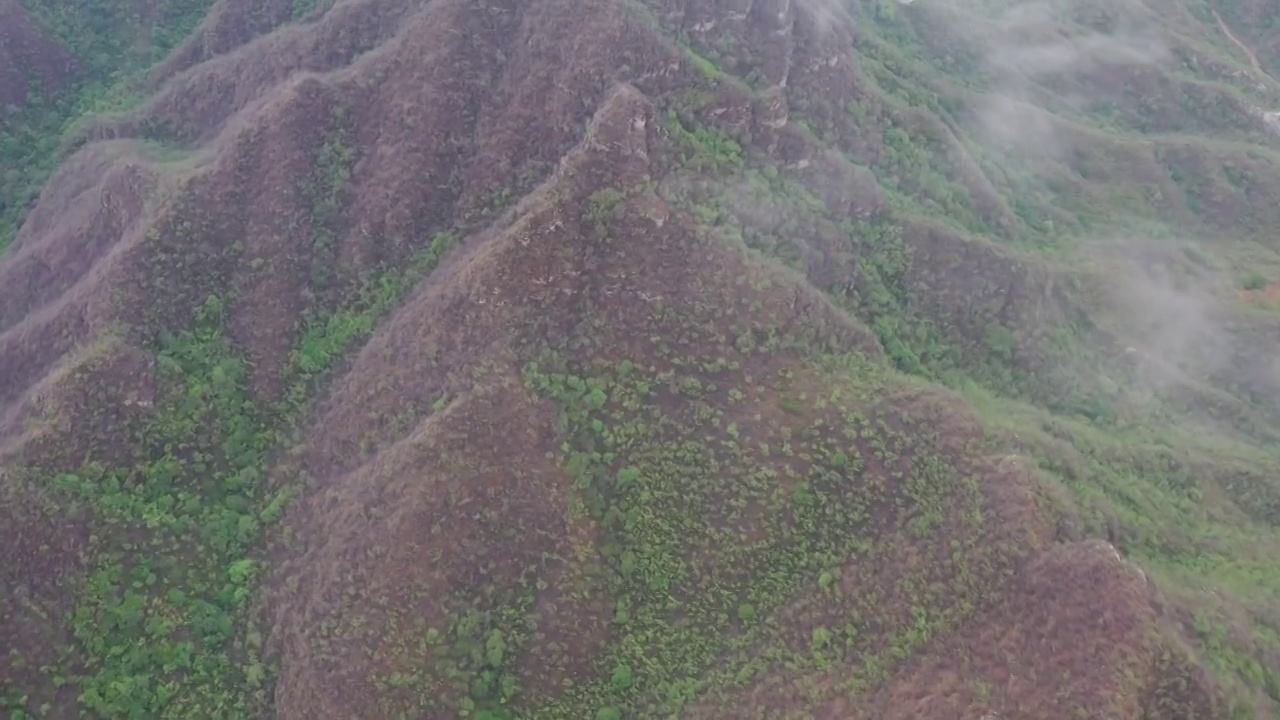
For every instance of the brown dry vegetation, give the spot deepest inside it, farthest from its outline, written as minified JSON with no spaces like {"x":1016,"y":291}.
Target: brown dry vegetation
{"x":603,"y":453}
{"x":28,"y":57}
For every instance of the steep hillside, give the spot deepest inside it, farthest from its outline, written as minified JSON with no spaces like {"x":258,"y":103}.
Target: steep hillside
{"x":62,"y":62}
{"x":641,"y":358}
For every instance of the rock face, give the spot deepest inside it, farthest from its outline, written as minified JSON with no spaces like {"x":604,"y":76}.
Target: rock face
{"x":1272,"y":120}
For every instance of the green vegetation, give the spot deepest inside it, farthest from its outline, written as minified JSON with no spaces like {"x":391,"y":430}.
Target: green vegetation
{"x":331,"y":333}
{"x":718,"y":531}
{"x":1141,"y":471}
{"x":749,"y":506}
{"x":666,"y":486}
{"x":872,"y":256}
{"x":1254,"y":281}
{"x":326,"y":191}
{"x":113,"y":47}
{"x":160,"y":621}
{"x":303,"y":8}
{"x":163,"y":626}
{"x":1151,"y":490}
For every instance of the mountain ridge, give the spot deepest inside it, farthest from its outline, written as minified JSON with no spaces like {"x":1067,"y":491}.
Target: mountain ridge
{"x":520,"y":359}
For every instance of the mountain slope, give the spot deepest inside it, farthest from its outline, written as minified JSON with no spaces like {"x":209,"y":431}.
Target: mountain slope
{"x":675,"y":358}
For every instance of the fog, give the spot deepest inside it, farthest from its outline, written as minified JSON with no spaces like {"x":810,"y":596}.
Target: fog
{"x":1031,"y":59}
{"x":1044,"y":69}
